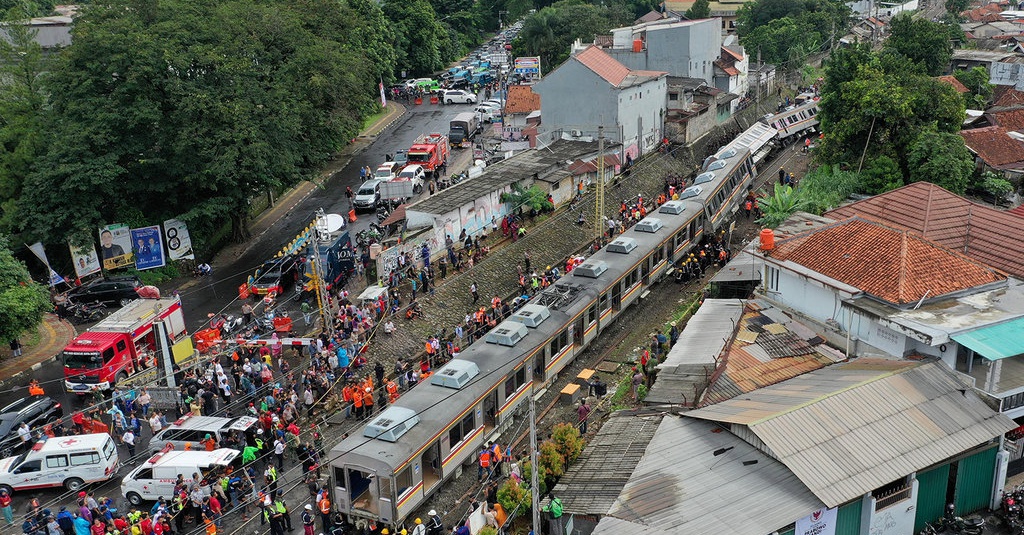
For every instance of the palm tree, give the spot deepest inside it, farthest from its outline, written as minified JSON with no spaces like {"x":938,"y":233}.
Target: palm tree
{"x":780,"y":206}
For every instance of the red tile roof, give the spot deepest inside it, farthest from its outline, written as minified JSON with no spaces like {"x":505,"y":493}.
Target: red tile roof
{"x":995,"y":147}
{"x":1018,"y":211}
{"x":603,"y":65}
{"x":893,"y":265}
{"x":988,"y":235}
{"x":522,"y":99}
{"x":951,"y":80}
{"x":736,"y":55}
{"x":1012,"y":119}
{"x":1006,"y":95}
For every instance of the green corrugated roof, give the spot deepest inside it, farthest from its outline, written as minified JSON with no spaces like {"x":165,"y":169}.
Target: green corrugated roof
{"x":995,"y":342}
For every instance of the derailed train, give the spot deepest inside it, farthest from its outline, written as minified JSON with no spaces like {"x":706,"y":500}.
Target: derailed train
{"x":406,"y":452}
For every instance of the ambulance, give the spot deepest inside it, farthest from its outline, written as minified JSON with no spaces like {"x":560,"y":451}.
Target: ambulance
{"x":155,"y":479}
{"x":71,"y":462}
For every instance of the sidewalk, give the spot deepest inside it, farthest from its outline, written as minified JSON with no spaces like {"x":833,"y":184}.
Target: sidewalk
{"x":287,"y":202}
{"x":51,"y":337}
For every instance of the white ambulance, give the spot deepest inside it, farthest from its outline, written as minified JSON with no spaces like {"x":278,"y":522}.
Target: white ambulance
{"x":70,"y":461}
{"x":156,"y":477}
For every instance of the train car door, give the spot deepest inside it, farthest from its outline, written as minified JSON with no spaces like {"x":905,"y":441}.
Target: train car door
{"x":490,"y":409}
{"x":386,"y":500}
{"x":430,"y":461}
{"x":341,"y":495}
{"x":363,"y":490}
{"x":617,"y":295}
{"x":577,"y":332}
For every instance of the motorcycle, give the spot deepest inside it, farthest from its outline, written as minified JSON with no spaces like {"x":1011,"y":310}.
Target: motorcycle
{"x":86,"y":312}
{"x":383,"y":212}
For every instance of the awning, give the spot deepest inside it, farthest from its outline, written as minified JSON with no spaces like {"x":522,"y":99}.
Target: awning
{"x":396,"y":216}
{"x":995,"y":342}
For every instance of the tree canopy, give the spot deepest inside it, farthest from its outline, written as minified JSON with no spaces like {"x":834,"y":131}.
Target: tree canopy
{"x":785,"y":29}
{"x":550,"y":32}
{"x":701,"y":9}
{"x":921,"y":41}
{"x":188,"y":108}
{"x":22,"y":300}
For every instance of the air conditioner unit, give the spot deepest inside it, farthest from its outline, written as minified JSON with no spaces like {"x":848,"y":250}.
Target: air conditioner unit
{"x":576,"y":133}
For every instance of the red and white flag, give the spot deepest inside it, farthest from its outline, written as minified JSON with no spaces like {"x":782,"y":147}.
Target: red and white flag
{"x":383,"y":99}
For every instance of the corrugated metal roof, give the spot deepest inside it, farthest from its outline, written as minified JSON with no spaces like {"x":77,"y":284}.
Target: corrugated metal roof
{"x":697,"y":478}
{"x":996,"y":342}
{"x":695,"y":355}
{"x":848,"y":429}
{"x":594,"y":481}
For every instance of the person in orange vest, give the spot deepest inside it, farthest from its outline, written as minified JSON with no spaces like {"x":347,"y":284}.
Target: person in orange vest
{"x":324,"y":505}
{"x":368,"y":401}
{"x":392,"y":389}
{"x":496,"y":302}
{"x":357,"y":402}
{"x":429,"y":348}
{"x":496,"y":457}
{"x":34,"y":389}
{"x":484,"y":465}
{"x":346,"y":396}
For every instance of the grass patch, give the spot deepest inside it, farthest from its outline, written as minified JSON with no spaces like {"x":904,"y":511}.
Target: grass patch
{"x":370,"y":119}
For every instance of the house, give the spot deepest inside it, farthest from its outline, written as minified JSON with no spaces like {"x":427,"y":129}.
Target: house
{"x":882,"y":9}
{"x":592,"y":89}
{"x":988,"y":29}
{"x":723,"y":10}
{"x":827,"y":451}
{"x":562,"y":187}
{"x":51,"y":33}
{"x":983,"y":13}
{"x":683,"y":48}
{"x":731,"y":73}
{"x":1004,"y":67}
{"x":694,"y":108}
{"x":762,"y":78}
{"x":997,"y":149}
{"x":521,"y":104}
{"x":951,"y":80}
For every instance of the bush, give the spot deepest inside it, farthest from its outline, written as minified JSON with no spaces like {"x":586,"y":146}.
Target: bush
{"x":568,"y":441}
{"x":488,"y":530}
{"x":551,"y":460}
{"x":512,"y":495}
{"x":641,"y":392}
{"x":998,"y":187}
{"x":541,"y":476}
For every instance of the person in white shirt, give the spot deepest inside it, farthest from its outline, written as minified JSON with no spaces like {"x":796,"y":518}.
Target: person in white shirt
{"x":25,"y":434}
{"x":128,"y":439}
{"x":154,"y":423}
{"x":279,"y":453}
{"x":389,"y":327}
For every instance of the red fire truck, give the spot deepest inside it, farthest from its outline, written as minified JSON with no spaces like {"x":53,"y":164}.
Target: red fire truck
{"x":124,"y":345}
{"x":430,"y":151}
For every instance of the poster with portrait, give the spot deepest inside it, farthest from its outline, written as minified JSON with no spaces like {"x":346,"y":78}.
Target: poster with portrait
{"x":148,"y":248}
{"x":179,"y":244}
{"x":115,"y":246}
{"x":85,"y":259}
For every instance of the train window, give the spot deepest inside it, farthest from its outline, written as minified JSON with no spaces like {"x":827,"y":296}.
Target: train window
{"x":812,"y":112}
{"x":455,"y":435}
{"x":510,"y":387}
{"x":403,"y":481}
{"x":521,"y":377}
{"x":791,"y":119}
{"x":467,"y":425}
{"x":592,"y":314}
{"x":559,"y":342}
{"x":657,"y":256}
{"x":339,"y":477}
{"x":603,"y":304}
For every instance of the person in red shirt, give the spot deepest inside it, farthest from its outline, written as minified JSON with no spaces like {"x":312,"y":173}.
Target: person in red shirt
{"x":98,"y":527}
{"x":146,"y":524}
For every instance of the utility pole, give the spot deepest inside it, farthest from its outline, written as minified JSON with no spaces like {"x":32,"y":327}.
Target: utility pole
{"x":599,"y":200}
{"x":534,"y":467}
{"x":322,"y":303}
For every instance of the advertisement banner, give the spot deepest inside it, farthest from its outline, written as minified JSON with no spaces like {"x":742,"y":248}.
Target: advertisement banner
{"x":115,"y":246}
{"x":85,"y":260}
{"x":820,"y":522}
{"x":179,"y":244}
{"x":148,"y":248}
{"x":40,"y":252}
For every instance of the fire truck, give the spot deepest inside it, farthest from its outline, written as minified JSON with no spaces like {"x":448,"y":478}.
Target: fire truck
{"x":430,"y":151}
{"x":125,"y":345}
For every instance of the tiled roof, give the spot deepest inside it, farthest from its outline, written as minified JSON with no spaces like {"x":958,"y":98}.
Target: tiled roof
{"x":1006,"y":95}
{"x":990,"y":236}
{"x":736,"y":55}
{"x":896,"y":266}
{"x":951,"y":80}
{"x":609,"y":69}
{"x":1018,"y":211}
{"x":995,"y":147}
{"x":521,"y":99}
{"x":1011,"y":119}
{"x":603,"y":65}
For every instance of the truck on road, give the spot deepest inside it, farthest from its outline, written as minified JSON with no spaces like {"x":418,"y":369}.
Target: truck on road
{"x":463,"y":128}
{"x":430,"y":151}
{"x":125,"y":345}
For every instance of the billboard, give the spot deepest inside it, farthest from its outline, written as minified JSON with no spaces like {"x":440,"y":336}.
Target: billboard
{"x":115,"y":246}
{"x":85,"y":260}
{"x":179,"y":243}
{"x":147,"y":247}
{"x":528,"y":65}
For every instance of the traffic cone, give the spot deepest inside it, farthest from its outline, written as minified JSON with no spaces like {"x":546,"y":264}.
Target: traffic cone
{"x":352,"y":215}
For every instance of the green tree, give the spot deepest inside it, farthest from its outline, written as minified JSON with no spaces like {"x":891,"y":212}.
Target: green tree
{"x":22,"y":9}
{"x":956,"y":7}
{"x":921,"y":41}
{"x":568,"y":441}
{"x":880,"y":175}
{"x":512,"y":496}
{"x":22,"y":106}
{"x":783,"y":39}
{"x":784,"y":30}
{"x":22,"y":300}
{"x":551,"y":459}
{"x":779,"y":206}
{"x":422,"y":42}
{"x":532,"y":198}
{"x":997,"y":186}
{"x":550,"y":32}
{"x":941,"y":158}
{"x":191,"y":108}
{"x":826,"y":187}
{"x":976,"y":80}
{"x":701,"y":9}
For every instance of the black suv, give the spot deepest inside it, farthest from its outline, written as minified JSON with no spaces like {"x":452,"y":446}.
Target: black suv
{"x":276,"y":275}
{"x":115,"y":291}
{"x":36,"y":411}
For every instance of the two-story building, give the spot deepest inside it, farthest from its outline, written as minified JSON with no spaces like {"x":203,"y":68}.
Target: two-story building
{"x":592,"y":89}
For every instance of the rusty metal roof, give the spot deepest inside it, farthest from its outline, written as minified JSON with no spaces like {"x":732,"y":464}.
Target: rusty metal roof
{"x":848,"y":429}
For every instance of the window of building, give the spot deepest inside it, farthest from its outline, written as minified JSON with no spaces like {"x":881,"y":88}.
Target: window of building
{"x":673,"y":97}
{"x":771,"y":278}
{"x":554,"y":186}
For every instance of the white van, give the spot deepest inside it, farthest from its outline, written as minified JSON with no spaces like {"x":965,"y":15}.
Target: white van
{"x":156,"y":477}
{"x":70,"y":461}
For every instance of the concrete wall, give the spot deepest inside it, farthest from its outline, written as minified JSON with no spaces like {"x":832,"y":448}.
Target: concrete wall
{"x":641,"y":114}
{"x":687,"y":50}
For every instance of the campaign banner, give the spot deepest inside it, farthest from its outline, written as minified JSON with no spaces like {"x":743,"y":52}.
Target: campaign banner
{"x":85,"y":259}
{"x":179,"y":244}
{"x":820,"y":522}
{"x":40,"y":252}
{"x":115,"y":246}
{"x":147,"y":247}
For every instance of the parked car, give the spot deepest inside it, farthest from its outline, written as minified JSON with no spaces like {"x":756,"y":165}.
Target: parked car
{"x":190,"y":430}
{"x":387,"y":171}
{"x":459,"y":96}
{"x":486,"y":114}
{"x":275,"y":275}
{"x":368,"y":195}
{"x":401,"y":158}
{"x":416,"y":174}
{"x":113,"y":291}
{"x":36,"y":411}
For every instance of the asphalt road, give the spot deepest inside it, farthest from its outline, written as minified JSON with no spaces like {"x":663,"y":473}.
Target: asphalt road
{"x":219,"y":292}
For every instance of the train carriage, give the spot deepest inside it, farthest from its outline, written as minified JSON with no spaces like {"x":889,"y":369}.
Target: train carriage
{"x":793,"y":123}
{"x":406,"y":452}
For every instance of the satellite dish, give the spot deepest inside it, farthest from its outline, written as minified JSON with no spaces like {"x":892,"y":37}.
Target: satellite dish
{"x":326,"y":224}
